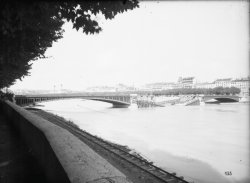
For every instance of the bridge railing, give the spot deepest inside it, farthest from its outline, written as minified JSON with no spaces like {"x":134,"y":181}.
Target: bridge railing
{"x":23,"y":100}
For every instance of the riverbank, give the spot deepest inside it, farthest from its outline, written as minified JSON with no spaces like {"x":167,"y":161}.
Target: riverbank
{"x":132,"y":172}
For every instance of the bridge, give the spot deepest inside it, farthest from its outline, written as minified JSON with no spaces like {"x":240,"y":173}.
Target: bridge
{"x":221,"y":98}
{"x":117,"y":100}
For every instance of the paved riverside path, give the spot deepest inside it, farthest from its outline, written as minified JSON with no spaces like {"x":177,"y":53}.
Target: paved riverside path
{"x":62,"y":156}
{"x":16,"y":162}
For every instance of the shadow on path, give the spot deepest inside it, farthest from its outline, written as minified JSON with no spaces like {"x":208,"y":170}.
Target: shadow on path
{"x":16,"y":161}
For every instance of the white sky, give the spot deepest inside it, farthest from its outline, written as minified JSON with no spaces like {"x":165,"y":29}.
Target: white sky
{"x":157,"y":42}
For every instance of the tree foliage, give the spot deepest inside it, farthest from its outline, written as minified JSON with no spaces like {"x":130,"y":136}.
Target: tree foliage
{"x":205,"y":91}
{"x":27,"y":29}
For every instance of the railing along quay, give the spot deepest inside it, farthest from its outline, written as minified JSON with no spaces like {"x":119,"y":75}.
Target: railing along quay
{"x":142,"y":164}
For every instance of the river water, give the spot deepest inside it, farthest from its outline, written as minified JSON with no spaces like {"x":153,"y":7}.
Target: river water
{"x":206,"y":144}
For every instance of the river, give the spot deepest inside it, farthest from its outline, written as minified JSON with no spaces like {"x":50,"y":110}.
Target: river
{"x":207,"y":144}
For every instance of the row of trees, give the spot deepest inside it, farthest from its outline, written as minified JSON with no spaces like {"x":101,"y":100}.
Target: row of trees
{"x":210,"y":91}
{"x":27,"y":29}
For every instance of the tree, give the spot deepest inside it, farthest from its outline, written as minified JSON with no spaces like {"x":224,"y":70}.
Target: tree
{"x":27,"y":29}
{"x":218,"y":90}
{"x":234,"y":90}
{"x":195,"y":91}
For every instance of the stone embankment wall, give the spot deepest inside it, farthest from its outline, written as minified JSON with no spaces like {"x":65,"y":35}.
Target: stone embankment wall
{"x":63,"y":157}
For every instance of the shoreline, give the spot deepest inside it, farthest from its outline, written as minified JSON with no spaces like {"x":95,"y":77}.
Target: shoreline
{"x":124,"y":147}
{"x":132,"y":172}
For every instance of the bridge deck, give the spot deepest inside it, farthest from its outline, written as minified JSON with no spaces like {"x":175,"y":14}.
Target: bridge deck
{"x":116,"y":100}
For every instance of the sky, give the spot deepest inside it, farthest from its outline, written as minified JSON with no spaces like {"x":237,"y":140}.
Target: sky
{"x":158,"y":42}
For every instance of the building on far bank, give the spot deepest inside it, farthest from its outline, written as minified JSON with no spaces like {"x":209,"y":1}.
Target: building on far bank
{"x":101,"y":89}
{"x":205,"y":85}
{"x":243,"y":84}
{"x":124,"y":88}
{"x":159,"y":86}
{"x":186,"y":82}
{"x":183,"y":82}
{"x":226,"y":82}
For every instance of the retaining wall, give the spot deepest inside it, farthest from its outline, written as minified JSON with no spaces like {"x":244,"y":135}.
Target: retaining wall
{"x":63,"y":157}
